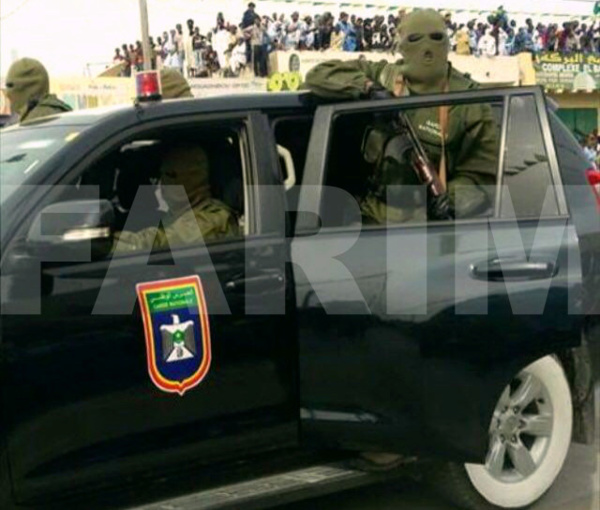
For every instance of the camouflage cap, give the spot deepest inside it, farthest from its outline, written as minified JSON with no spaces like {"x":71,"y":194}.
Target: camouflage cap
{"x":174,"y":85}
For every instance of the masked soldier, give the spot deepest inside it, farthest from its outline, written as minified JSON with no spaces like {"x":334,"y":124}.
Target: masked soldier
{"x":173,"y":84}
{"x":460,"y":140}
{"x":28,"y":89}
{"x":186,"y":166}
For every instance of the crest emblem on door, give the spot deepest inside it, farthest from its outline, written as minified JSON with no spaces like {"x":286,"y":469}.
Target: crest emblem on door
{"x":177,"y":332}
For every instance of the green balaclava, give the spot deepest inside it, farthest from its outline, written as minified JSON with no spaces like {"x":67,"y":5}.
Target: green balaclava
{"x":184,"y":165}
{"x":27,"y":82}
{"x":424,"y":45}
{"x":174,"y":85}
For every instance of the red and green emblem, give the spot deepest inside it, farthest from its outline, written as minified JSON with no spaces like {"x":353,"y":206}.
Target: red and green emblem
{"x":177,"y":332}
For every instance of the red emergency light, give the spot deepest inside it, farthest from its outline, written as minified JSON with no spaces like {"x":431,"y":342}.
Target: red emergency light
{"x":147,"y":86}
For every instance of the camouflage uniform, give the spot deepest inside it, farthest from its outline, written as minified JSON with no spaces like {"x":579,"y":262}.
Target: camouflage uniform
{"x":471,"y":145}
{"x":187,"y":166}
{"x":27,"y":88}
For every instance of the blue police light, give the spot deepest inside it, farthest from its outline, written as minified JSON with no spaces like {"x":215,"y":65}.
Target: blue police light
{"x":147,"y":86}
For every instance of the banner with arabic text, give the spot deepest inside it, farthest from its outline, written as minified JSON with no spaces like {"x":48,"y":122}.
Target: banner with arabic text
{"x":574,"y":72}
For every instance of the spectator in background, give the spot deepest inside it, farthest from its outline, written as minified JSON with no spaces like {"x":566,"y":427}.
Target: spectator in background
{"x":473,"y":37}
{"x":220,"y":22}
{"x":198,"y":46}
{"x":159,"y":53}
{"x":221,"y":46}
{"x":152,"y":54}
{"x":502,"y":42}
{"x":246,"y":25}
{"x":117,"y":58}
{"x":132,"y":58}
{"x":325,"y":30}
{"x":237,"y":60}
{"x":248,"y":17}
{"x":259,"y":57}
{"x":551,"y":43}
{"x":368,"y":33}
{"x":126,"y":61}
{"x":274,"y":32}
{"x":291,"y":32}
{"x":188,"y":49}
{"x":337,"y":39}
{"x":307,"y":34}
{"x":179,"y":44}
{"x":360,"y":45}
{"x":347,"y":28}
{"x":139,"y":56}
{"x":523,"y":42}
{"x":487,"y":45}
{"x":173,"y":59}
{"x":590,"y":148}
{"x":463,"y":44}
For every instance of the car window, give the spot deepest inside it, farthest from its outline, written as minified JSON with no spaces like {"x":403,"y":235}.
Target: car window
{"x":171,"y":188}
{"x":372,"y":158}
{"x":24,"y":150}
{"x":528,"y":190}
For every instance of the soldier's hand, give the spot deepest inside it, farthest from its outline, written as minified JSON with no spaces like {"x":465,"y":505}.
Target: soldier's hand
{"x":378,"y":92}
{"x":440,"y":208}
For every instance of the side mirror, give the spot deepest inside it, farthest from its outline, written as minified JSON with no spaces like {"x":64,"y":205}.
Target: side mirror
{"x":75,"y":231}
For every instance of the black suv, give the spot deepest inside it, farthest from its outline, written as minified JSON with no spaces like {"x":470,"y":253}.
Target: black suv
{"x":267,"y":363}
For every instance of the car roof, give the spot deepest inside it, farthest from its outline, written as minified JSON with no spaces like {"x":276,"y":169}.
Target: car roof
{"x":169,"y":107}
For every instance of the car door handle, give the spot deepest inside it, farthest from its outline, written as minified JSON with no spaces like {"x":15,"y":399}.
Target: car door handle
{"x":258,"y":283}
{"x":499,"y":270}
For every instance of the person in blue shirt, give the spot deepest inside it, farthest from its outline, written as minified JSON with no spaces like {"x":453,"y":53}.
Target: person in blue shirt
{"x":349,"y":31}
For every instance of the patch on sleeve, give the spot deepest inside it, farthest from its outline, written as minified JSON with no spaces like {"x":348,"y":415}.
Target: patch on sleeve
{"x":177,"y":332}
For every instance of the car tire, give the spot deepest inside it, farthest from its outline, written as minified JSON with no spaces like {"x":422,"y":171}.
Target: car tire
{"x":530,"y":436}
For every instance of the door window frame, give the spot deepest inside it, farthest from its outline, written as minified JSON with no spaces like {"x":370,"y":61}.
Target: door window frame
{"x":250,"y":145}
{"x":320,"y":144}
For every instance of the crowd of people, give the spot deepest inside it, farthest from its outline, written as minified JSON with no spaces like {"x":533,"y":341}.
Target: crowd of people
{"x":230,"y":49}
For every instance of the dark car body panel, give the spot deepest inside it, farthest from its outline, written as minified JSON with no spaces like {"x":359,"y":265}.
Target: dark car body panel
{"x":356,"y":361}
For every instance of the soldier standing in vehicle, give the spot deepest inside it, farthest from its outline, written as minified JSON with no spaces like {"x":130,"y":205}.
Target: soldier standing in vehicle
{"x":28,"y":89}
{"x":461,"y":140}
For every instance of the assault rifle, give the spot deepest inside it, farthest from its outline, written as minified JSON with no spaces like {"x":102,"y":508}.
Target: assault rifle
{"x":421,"y":164}
{"x":439,"y":206}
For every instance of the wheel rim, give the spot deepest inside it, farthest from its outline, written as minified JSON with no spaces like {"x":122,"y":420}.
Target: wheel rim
{"x":521,"y":429}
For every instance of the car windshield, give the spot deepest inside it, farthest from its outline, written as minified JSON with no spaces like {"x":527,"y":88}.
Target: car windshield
{"x":24,"y":150}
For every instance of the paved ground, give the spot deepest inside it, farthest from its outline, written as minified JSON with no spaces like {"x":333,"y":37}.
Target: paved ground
{"x":578,"y":488}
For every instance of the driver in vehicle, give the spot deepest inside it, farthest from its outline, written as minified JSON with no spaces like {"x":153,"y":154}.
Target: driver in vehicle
{"x":460,"y":140}
{"x":192,"y":213}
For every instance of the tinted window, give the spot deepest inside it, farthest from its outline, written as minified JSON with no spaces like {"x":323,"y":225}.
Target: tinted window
{"x":187,"y":175}
{"x":372,"y":158}
{"x":527,"y":180}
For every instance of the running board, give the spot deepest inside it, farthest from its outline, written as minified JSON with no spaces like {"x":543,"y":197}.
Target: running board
{"x":275,"y":490}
